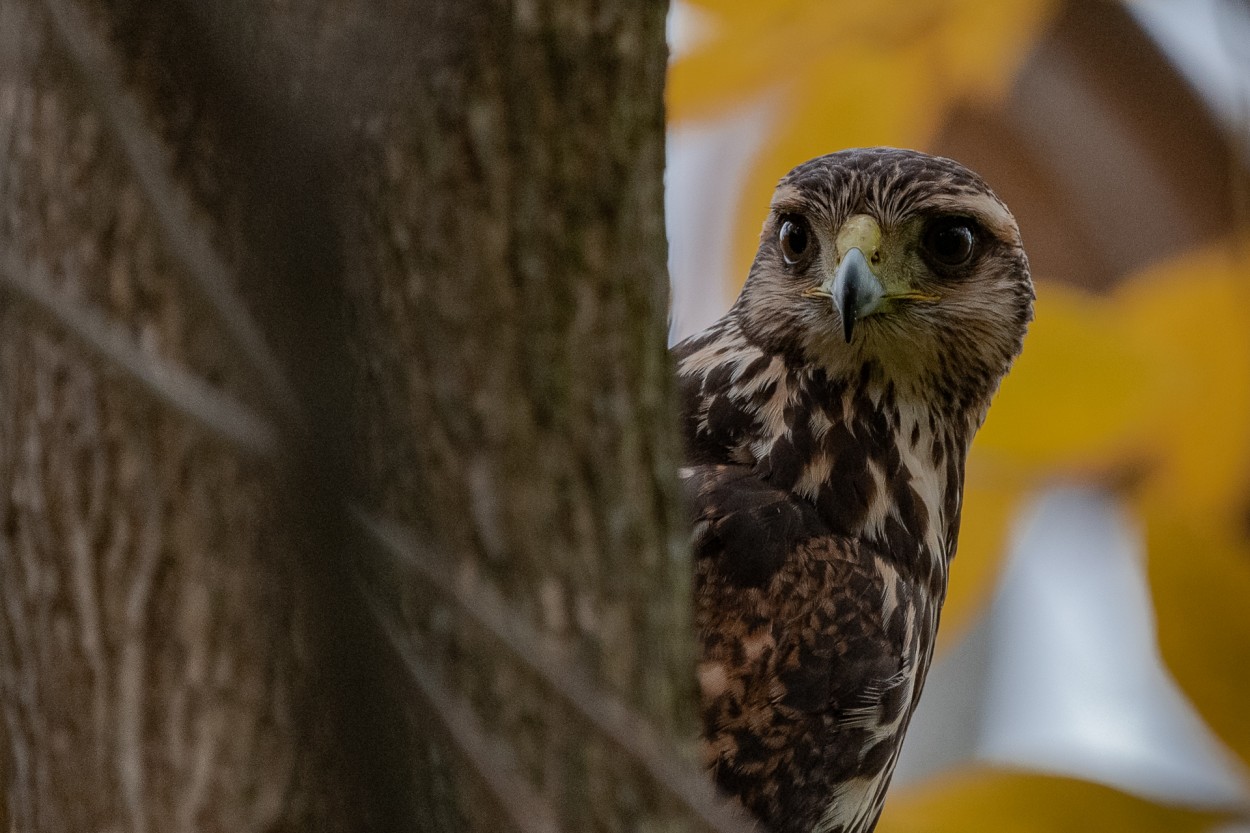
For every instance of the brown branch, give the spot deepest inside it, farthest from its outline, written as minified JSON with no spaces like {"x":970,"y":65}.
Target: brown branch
{"x":607,"y":714}
{"x":188,"y":241}
{"x":182,"y":391}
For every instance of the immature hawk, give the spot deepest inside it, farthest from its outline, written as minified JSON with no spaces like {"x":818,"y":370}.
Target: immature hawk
{"x":826,"y":418}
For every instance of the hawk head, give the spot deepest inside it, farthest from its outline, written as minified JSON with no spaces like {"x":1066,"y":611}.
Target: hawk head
{"x":894,"y":258}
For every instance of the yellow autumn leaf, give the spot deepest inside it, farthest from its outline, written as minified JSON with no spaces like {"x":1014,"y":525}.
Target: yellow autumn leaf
{"x":1005,"y":801}
{"x":757,"y":47}
{"x":1199,"y":574}
{"x":1155,"y":377}
{"x":1083,"y":395}
{"x":1194,"y":314}
{"x":843,"y":73}
{"x":984,"y":43}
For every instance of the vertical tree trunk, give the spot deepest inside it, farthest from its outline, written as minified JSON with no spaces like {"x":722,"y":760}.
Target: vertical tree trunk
{"x":335,"y":419}
{"x":166,"y":664}
{"x":514,"y":255}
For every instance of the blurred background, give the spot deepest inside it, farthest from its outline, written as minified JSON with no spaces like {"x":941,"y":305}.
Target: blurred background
{"x":1094,"y":662}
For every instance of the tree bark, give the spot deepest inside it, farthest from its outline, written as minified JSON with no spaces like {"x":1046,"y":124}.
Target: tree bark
{"x":164,"y":666}
{"x":336,"y":425}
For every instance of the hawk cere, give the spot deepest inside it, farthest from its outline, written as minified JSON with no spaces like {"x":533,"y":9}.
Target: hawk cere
{"x":827,"y":417}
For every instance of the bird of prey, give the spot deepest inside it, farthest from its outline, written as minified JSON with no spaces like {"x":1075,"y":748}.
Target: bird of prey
{"x":826,"y":420}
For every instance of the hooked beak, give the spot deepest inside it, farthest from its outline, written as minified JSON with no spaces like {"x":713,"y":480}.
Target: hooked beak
{"x":856,"y":290}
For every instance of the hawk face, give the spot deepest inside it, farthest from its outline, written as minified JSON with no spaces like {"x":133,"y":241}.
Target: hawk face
{"x":895,"y":258}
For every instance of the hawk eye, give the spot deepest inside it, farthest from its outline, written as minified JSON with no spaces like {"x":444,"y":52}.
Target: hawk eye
{"x":793,"y":237}
{"x":950,"y":241}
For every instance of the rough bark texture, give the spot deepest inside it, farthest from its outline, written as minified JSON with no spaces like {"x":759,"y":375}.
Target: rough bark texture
{"x":163,"y":664}
{"x":447,"y":220}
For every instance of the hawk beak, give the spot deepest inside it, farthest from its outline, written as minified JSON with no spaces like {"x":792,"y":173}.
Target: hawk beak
{"x":856,"y":290}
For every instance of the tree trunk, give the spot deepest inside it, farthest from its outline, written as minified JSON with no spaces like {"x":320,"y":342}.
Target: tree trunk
{"x":336,"y":433}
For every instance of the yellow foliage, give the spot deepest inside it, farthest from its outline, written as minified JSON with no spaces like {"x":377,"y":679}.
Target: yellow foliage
{"x":846,"y":74}
{"x":1195,"y":312}
{"x":1155,"y":377}
{"x":967,"y":47}
{"x":1194,"y":504}
{"x":1150,"y":385}
{"x":1003,"y":801}
{"x":1082,"y":394}
{"x":1200,"y":580}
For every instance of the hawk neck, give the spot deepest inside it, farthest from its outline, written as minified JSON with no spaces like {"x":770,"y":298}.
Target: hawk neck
{"x":881,"y":460}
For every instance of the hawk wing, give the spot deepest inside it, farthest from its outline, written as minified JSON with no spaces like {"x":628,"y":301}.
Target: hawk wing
{"x":809,"y":655}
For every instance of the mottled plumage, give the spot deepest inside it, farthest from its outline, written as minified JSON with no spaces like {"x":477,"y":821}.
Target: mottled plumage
{"x":827,"y":417}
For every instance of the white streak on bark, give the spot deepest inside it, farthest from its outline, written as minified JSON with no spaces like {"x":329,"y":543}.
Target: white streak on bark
{"x":176,"y":387}
{"x":611,"y":718}
{"x":186,"y":238}
{"x":209,"y":729}
{"x":132,"y":668}
{"x":90,"y":624}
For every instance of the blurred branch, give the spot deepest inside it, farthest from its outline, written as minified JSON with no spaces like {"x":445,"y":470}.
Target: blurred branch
{"x":527,"y":811}
{"x":188,"y":241}
{"x":182,"y":391}
{"x":605,"y":713}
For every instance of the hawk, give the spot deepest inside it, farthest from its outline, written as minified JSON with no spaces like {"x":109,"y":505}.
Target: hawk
{"x":826,"y":420}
